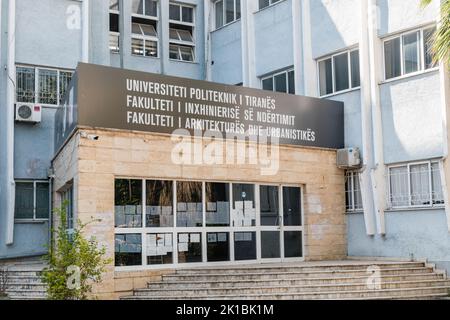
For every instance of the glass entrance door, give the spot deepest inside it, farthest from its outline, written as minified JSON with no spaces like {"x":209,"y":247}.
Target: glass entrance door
{"x":281,"y":230}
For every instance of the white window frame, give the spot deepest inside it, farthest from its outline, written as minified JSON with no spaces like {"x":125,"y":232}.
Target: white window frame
{"x":35,"y":219}
{"x":271,"y":3}
{"x":352,"y":175}
{"x":181,"y":6}
{"x":143,"y":15}
{"x":408,"y":168}
{"x":204,"y":230}
{"x":350,"y":88}
{"x":273,"y":75}
{"x":36,"y":84}
{"x":224,"y":10}
{"x":420,"y":53}
{"x":145,"y":38}
{"x":179,"y":43}
{"x":113,"y":33}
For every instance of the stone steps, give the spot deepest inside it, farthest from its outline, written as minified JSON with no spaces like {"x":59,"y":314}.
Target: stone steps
{"x":333,"y":280}
{"x":24,"y":282}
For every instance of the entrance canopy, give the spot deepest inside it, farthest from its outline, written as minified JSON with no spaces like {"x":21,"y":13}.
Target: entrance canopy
{"x":106,"y":97}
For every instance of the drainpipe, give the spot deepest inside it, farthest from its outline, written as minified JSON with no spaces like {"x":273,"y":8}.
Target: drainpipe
{"x":122,"y":31}
{"x":208,"y":27}
{"x":85,"y":31}
{"x":249,"y":77}
{"x":297,"y":43}
{"x":9,"y":114}
{"x":309,"y":74}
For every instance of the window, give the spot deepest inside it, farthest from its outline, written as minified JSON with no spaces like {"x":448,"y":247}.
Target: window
{"x":339,"y":72}
{"x":32,"y":200}
{"x":408,"y":53}
{"x":227,"y":11}
{"x":128,"y":203}
{"x":353,"y":200}
{"x":415,"y":185}
{"x":217,"y":204}
{"x":280,"y":82}
{"x":159,"y":204}
{"x":67,"y":201}
{"x":189,"y":204}
{"x":41,"y":85}
{"x":181,"y":33}
{"x":144,"y":26}
{"x":265,"y":3}
{"x":128,"y":250}
{"x":114,"y":33}
{"x":244,"y":207}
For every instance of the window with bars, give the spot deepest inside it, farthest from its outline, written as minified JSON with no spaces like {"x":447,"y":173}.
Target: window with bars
{"x":227,"y":11}
{"x":353,"y":199}
{"x":181,"y":33}
{"x":41,"y":85}
{"x":339,"y":72}
{"x":32,"y":200}
{"x":408,"y":53}
{"x":280,"y":82}
{"x":415,"y":185}
{"x":114,"y":33}
{"x":144,"y":26}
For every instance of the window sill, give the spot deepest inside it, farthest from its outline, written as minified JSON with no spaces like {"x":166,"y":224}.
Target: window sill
{"x":269,"y":6}
{"x":146,"y":57}
{"x":183,"y":61}
{"x":340,"y":92}
{"x":30,"y":221}
{"x":354,"y":212}
{"x":409,"y":75}
{"x":406,"y":209}
{"x":226,"y":25}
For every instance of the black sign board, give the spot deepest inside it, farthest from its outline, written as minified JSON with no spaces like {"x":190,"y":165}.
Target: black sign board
{"x":106,"y":97}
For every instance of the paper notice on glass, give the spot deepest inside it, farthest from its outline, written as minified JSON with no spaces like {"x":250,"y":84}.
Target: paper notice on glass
{"x":151,"y":251}
{"x":160,"y":240}
{"x":168,"y":239}
{"x":195,"y":238}
{"x":182,"y":247}
{"x":239,"y":205}
{"x":251,"y":213}
{"x":211,"y":206}
{"x":212,"y":237}
{"x":239,"y":236}
{"x":168,"y":248}
{"x":183,"y":238}
{"x":151,"y":240}
{"x":222,"y":237}
{"x":248,"y":236}
{"x":248,"y":204}
{"x":247,"y":222}
{"x":161,"y":251}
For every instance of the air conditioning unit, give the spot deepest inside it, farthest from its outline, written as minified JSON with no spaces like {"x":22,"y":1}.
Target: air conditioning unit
{"x":28,"y":112}
{"x":348,"y":158}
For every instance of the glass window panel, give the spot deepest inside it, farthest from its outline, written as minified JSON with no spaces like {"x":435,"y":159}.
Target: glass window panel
{"x":292,"y":244}
{"x":263,"y":4}
{"x":411,"y":52}
{"x":325,"y":77}
{"x":187,"y":53}
{"x":229,"y":11}
{"x":174,"y":12}
{"x":219,"y":14}
{"x":428,"y":35}
{"x":128,"y":250}
{"x":420,"y":184}
{"x":42,"y":201}
{"x":189,"y":247}
{"x":268,"y":84}
{"x":399,"y":186}
{"x":185,"y":35}
{"x":159,"y":248}
{"x":341,"y":72}
{"x":349,"y":191}
{"x":159,"y":204}
{"x":64,"y":81}
{"x":291,"y":206}
{"x":244,"y":213}
{"x":291,"y":82}
{"x":187,"y":14}
{"x":280,"y":83}
{"x":136,"y":29}
{"x":244,"y":246}
{"x":238,"y":9}
{"x":24,"y":203}
{"x":25,"y":84}
{"x":148,"y":30}
{"x":357,"y":192}
{"x":174,"y":52}
{"x":392,"y":58}
{"x":151,"y":48}
{"x":128,"y":203}
{"x":173,"y":34}
{"x":438,"y":197}
{"x":114,"y":43}
{"x":47,"y":91}
{"x":137,"y":46}
{"x":270,"y":244}
{"x":218,"y":246}
{"x":354,"y":60}
{"x":113,"y":22}
{"x":189,"y":204}
{"x":217,"y":204}
{"x":269,"y":205}
{"x":151,"y":8}
{"x":137,"y":6}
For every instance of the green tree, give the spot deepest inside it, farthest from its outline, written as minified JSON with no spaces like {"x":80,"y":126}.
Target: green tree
{"x":441,"y":40}
{"x":74,"y":262}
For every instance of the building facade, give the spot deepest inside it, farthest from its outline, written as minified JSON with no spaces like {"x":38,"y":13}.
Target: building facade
{"x":372,"y":55}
